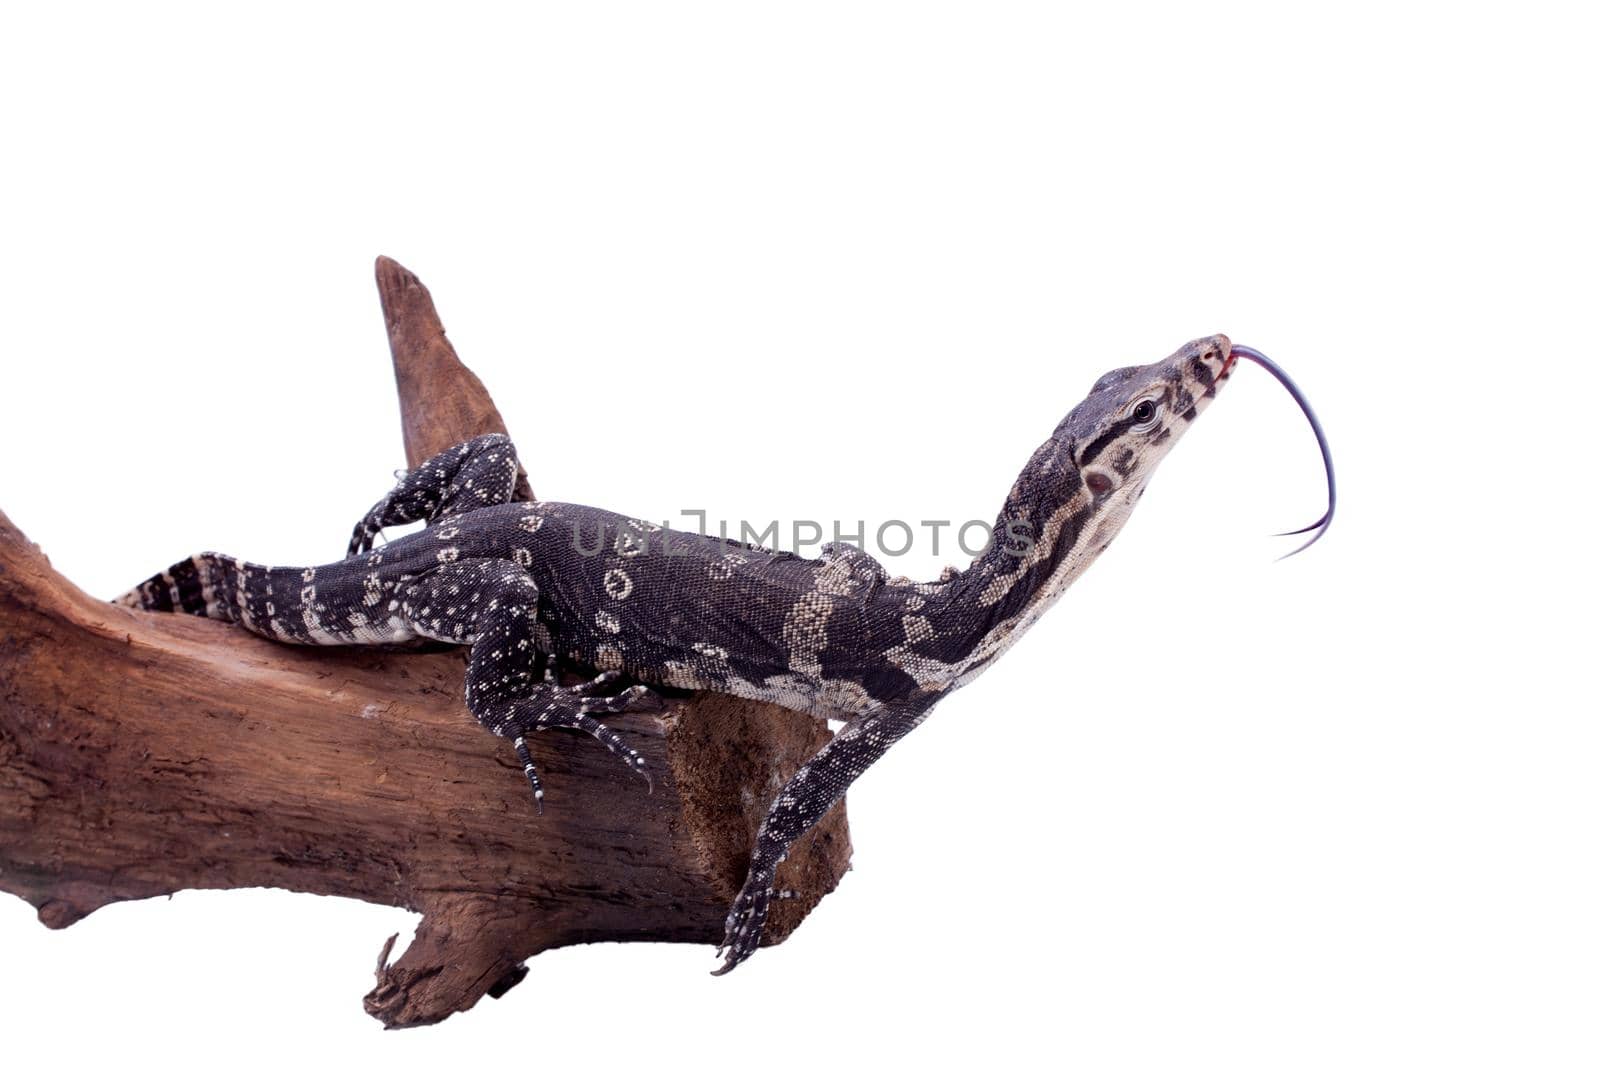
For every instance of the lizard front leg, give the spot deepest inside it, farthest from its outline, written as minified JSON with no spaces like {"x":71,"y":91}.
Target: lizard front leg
{"x":475,"y":474}
{"x":804,"y":799}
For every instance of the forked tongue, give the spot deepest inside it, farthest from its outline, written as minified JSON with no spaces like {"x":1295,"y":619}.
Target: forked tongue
{"x":1321,"y":525}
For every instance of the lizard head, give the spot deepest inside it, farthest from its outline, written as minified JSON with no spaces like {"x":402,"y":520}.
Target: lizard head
{"x":1133,"y":416}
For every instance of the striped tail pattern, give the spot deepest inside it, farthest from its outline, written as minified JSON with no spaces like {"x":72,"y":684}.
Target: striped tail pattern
{"x":216,"y":586}
{"x":349,"y":602}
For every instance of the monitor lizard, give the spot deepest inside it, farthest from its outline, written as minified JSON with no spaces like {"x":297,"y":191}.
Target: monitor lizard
{"x":530,"y":586}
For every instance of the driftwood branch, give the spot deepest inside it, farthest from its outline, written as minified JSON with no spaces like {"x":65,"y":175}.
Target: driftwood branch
{"x":141,"y":754}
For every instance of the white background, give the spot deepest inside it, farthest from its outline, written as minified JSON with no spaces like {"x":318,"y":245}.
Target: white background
{"x":854,"y":261}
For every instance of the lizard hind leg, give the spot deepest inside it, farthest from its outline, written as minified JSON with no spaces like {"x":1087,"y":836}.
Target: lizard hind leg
{"x":475,"y":474}
{"x":492,"y":605}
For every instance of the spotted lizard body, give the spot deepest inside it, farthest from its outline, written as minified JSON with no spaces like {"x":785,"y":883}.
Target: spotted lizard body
{"x":531,"y":585}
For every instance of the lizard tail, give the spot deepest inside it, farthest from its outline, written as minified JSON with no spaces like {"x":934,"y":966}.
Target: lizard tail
{"x":208,"y":584}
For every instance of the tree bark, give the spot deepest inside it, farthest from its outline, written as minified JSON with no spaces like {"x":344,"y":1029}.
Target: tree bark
{"x":141,"y":754}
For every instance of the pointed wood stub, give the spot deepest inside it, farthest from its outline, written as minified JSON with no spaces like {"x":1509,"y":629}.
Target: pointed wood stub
{"x":441,"y":401}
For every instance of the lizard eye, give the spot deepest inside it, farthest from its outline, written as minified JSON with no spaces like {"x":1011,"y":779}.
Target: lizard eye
{"x":1144,"y":414}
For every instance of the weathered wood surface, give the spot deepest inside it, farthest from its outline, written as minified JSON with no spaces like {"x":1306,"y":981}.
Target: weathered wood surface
{"x":141,"y":754}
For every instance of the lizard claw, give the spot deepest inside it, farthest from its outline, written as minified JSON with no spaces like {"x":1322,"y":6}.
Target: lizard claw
{"x":528,"y":770}
{"x":746,"y":919}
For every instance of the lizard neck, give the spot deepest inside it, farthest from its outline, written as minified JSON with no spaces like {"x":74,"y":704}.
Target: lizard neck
{"x":1047,"y":533}
{"x":1034,"y":532}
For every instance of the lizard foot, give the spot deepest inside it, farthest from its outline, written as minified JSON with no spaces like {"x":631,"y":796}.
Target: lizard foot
{"x":633,"y":698}
{"x":603,"y":694}
{"x":556,"y":709}
{"x":746,"y":919}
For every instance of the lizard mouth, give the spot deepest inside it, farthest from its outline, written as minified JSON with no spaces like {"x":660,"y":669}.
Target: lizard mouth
{"x":1319,"y":527}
